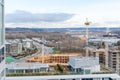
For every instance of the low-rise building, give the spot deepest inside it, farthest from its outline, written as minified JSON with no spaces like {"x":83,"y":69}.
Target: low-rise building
{"x":69,"y":77}
{"x":84,"y":65}
{"x":24,"y":67}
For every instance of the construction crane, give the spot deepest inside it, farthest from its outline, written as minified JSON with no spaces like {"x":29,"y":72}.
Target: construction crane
{"x":107,"y":48}
{"x":87,"y":23}
{"x":43,"y":50}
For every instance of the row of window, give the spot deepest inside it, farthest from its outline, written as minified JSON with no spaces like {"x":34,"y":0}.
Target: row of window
{"x":1,"y":25}
{"x":26,"y":71}
{"x":87,"y":79}
{"x":2,"y":53}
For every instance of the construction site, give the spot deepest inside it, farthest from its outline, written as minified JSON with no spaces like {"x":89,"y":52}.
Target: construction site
{"x":53,"y":59}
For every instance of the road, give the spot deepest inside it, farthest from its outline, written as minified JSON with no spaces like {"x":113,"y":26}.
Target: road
{"x":47,"y":50}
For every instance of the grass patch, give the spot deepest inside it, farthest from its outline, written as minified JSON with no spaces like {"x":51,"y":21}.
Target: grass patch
{"x":55,"y":51}
{"x":29,"y":74}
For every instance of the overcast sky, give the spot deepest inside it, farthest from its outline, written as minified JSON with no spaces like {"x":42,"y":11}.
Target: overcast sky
{"x":61,"y":13}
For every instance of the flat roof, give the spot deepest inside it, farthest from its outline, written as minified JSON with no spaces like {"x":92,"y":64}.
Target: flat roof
{"x":79,"y":62}
{"x":63,"y":54}
{"x":113,"y":76}
{"x":25,"y":65}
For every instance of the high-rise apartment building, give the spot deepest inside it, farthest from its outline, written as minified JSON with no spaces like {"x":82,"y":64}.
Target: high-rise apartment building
{"x":2,"y":39}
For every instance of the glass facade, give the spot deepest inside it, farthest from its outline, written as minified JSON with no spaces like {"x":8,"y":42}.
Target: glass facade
{"x":2,"y":74}
{"x":2,"y":39}
{"x":1,"y":23}
{"x":97,"y":79}
{"x":2,"y":54}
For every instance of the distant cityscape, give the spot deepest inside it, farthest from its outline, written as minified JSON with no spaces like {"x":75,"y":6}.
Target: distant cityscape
{"x":64,"y":29}
{"x":62,"y":51}
{"x":59,"y":40}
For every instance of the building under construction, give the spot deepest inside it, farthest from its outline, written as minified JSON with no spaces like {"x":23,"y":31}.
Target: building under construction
{"x":53,"y":59}
{"x":114,"y":60}
{"x":101,"y":53}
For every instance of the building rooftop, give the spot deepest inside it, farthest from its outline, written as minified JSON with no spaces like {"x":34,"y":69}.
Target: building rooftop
{"x":27,"y":39}
{"x":110,"y":40}
{"x":57,"y":77}
{"x":25,"y":65}
{"x":77,"y":62}
{"x":10,"y":59}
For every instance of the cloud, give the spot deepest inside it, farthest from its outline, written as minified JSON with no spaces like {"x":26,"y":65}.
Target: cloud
{"x":24,"y":16}
{"x":112,"y":22}
{"x":107,"y":23}
{"x":74,"y":21}
{"x":55,"y":20}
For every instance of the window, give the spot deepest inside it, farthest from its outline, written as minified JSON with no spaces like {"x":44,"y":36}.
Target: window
{"x":1,"y":54}
{"x":97,"y":79}
{"x":1,"y":25}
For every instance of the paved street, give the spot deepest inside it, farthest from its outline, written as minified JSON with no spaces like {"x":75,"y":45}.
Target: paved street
{"x":47,"y":50}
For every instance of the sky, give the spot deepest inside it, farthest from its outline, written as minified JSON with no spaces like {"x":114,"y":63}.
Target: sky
{"x":62,"y":13}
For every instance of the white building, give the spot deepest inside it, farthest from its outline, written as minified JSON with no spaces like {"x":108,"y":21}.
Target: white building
{"x":19,"y":48}
{"x":103,"y":39}
{"x":27,"y":43}
{"x":2,"y":41}
{"x":24,"y":67}
{"x":84,"y":65}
